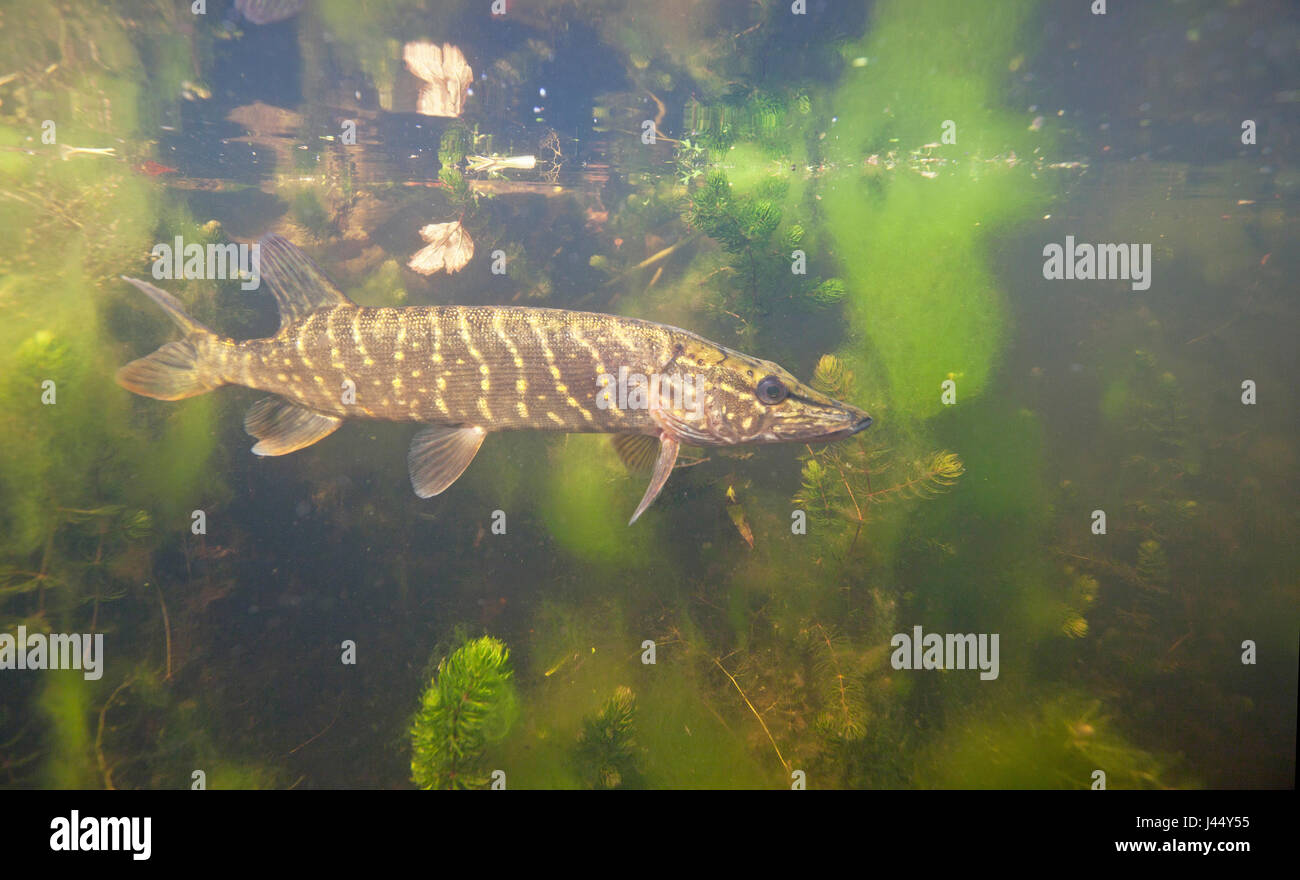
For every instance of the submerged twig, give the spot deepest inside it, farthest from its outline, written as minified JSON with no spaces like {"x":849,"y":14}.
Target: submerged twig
{"x":775,"y":747}
{"x":167,"y":630}
{"x":104,"y":769}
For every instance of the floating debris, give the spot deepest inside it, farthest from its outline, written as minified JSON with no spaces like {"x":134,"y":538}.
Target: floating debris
{"x":493,"y":164}
{"x":446,"y":75}
{"x":449,"y":248}
{"x":268,"y":11}
{"x":192,"y":91}
{"x":66,"y":152}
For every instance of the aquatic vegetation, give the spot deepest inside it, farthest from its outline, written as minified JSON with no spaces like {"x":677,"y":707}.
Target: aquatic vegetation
{"x":587,"y":649}
{"x":1155,"y":580}
{"x":1078,"y":600}
{"x":382,"y":287}
{"x":1152,"y":564}
{"x":454,"y":146}
{"x":1054,"y":742}
{"x":308,"y":212}
{"x":836,"y":481}
{"x":691,"y":161}
{"x":66,"y":704}
{"x":838,"y":670}
{"x":607,"y":749}
{"x":921,"y":288}
{"x":823,"y":479}
{"x":746,"y":113}
{"x":829,"y":136}
{"x":469,"y":705}
{"x":456,"y":187}
{"x":147,"y":735}
{"x":760,"y":245}
{"x":805,"y":696}
{"x":739,"y":223}
{"x":584,"y":506}
{"x":91,"y":485}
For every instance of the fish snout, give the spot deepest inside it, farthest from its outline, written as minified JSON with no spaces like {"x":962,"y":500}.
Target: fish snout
{"x":851,"y":421}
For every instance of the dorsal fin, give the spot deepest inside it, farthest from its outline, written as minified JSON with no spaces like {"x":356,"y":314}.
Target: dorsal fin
{"x":298,"y":285}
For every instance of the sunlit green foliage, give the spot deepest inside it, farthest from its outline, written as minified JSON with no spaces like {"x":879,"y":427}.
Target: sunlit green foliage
{"x":469,"y":705}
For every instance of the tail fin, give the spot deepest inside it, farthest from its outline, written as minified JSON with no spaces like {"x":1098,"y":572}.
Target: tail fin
{"x":174,"y":371}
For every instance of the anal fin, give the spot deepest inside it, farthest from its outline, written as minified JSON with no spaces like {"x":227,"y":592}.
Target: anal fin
{"x":668,"y":448}
{"x":282,"y":427}
{"x":439,"y":455}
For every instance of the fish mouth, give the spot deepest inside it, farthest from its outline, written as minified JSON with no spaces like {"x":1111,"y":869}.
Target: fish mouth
{"x":857,"y":422}
{"x":856,"y":426}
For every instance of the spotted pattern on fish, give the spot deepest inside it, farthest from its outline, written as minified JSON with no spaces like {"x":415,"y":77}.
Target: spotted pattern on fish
{"x":498,"y":367}
{"x":466,"y":371}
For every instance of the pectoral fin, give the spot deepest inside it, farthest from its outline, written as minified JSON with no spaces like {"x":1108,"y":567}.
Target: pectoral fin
{"x":668,"y":447}
{"x":637,"y":451}
{"x":439,"y":455}
{"x":282,"y":427}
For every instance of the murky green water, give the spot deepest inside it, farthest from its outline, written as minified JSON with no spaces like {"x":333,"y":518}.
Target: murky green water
{"x":1100,"y":474}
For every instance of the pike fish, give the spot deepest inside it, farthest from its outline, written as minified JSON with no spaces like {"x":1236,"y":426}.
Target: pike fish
{"x":465,"y":371}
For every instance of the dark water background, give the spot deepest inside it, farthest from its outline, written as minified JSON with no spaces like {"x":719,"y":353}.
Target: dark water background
{"x":1120,"y":652}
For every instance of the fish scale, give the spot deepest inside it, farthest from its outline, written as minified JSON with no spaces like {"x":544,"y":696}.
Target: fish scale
{"x":516,"y":351}
{"x":466,"y":371}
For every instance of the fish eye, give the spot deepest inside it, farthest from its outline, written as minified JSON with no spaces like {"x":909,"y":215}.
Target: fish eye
{"x":771,"y":390}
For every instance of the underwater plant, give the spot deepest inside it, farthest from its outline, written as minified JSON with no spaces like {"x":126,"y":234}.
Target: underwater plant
{"x":1082,"y":593}
{"x":455,"y":144}
{"x":836,"y":482}
{"x":838,"y":674}
{"x":1053,"y":742}
{"x":607,"y":749}
{"x":745,"y":113}
{"x":469,"y":704}
{"x":749,"y":228}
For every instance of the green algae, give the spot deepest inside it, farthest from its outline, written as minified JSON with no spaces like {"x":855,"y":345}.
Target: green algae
{"x":578,"y":656}
{"x":588,"y":501}
{"x":1061,"y":741}
{"x":75,"y":448}
{"x":922,"y":292}
{"x":66,"y":703}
